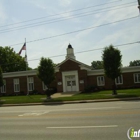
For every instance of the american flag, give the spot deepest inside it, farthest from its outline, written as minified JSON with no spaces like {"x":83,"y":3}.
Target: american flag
{"x":23,"y":48}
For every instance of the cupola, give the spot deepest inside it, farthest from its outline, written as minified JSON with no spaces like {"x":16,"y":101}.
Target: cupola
{"x":70,"y":52}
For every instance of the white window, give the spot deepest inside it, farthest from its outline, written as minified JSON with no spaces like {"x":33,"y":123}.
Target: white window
{"x":100,"y":81}
{"x":30,"y":83}
{"x":3,"y":88}
{"x":16,"y":85}
{"x":44,"y":86}
{"x":119,"y":80}
{"x":137,"y":78}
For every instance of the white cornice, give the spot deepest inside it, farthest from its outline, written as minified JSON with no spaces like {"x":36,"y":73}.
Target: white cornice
{"x":20,"y":73}
{"x":83,"y":67}
{"x":89,"y":72}
{"x":95,"y":72}
{"x":131,"y":69}
{"x":123,"y":70}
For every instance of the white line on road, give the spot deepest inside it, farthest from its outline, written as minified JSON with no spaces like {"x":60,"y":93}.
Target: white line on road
{"x":98,"y":108}
{"x":71,"y":109}
{"x":79,"y":127}
{"x":33,"y":114}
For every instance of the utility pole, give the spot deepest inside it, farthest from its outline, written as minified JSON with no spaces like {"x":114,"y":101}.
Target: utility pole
{"x":139,"y":5}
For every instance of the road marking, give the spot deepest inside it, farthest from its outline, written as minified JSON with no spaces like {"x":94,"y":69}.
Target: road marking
{"x":98,"y":108}
{"x":33,"y":114}
{"x":37,"y":113}
{"x":79,"y":127}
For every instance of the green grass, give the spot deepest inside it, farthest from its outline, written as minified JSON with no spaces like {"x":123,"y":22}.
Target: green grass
{"x":22,"y":99}
{"x":81,"y":96}
{"x":102,"y":95}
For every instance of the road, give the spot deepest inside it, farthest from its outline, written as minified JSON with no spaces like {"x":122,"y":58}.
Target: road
{"x":84,"y":121}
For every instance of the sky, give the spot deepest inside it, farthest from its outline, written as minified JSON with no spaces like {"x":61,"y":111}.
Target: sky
{"x":50,"y":25}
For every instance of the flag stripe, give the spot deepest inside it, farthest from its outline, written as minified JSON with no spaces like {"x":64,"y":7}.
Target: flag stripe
{"x":23,"y":48}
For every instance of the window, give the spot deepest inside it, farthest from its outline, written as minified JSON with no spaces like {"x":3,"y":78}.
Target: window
{"x":100,"y":81}
{"x":44,"y":86}
{"x":137,"y":78}
{"x":16,"y":85}
{"x":119,"y":80}
{"x":3,"y":88}
{"x":30,"y":83}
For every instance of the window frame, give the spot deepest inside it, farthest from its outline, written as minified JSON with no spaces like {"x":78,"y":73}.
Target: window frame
{"x":3,"y":88}
{"x":99,"y":79}
{"x":30,"y":82}
{"x":138,"y":81}
{"x":16,"y":85}
{"x":44,"y":86}
{"x":118,"y":81}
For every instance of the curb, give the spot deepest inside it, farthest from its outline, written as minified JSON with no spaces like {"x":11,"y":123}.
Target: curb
{"x":72,"y":102}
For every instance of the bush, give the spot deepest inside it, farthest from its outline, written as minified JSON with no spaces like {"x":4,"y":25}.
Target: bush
{"x":34,"y":92}
{"x":91,"y":88}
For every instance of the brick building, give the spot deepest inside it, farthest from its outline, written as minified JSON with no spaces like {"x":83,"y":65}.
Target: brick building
{"x":71,"y":75}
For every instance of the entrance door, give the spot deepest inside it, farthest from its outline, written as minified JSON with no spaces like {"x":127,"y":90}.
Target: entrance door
{"x":70,"y":83}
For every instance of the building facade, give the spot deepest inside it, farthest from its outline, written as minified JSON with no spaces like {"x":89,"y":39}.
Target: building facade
{"x":71,"y":76}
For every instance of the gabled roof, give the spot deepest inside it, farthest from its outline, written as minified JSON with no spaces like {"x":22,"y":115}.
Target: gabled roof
{"x":82,"y":65}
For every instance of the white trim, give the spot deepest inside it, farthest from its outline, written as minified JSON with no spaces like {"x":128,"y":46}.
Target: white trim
{"x":119,"y":81}
{"x":95,"y":72}
{"x":123,"y":70}
{"x":19,"y":73}
{"x":99,"y":79}
{"x":82,"y":67}
{"x":44,"y":86}
{"x":131,"y":69}
{"x":16,"y":83}
{"x":30,"y":81}
{"x":3,"y":90}
{"x":137,"y":77}
{"x":68,"y":73}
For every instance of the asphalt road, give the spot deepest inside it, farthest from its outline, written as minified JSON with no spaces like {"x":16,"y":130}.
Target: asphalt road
{"x":85,"y":121}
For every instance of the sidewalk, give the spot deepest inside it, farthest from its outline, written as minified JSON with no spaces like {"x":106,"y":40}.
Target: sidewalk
{"x":73,"y":102}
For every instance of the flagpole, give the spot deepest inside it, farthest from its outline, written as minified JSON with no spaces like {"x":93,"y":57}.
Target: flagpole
{"x":26,"y":66}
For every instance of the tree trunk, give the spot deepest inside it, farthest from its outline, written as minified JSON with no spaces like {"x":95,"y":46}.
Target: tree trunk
{"x":48,"y":93}
{"x":114,"y":88}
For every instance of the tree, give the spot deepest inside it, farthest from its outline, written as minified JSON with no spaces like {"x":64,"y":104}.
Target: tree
{"x":112,"y":64}
{"x":46,"y":73}
{"x":134,"y":63}
{"x":1,"y":78}
{"x":11,"y":61}
{"x":97,"y":64}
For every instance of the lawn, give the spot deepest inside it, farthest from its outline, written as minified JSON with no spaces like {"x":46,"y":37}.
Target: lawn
{"x":22,"y":99}
{"x":81,"y":96}
{"x":102,"y":95}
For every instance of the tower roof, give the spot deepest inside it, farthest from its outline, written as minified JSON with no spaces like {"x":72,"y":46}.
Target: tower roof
{"x":69,"y":46}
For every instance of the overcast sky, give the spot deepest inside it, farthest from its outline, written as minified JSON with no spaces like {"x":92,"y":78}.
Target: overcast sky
{"x":53,"y":17}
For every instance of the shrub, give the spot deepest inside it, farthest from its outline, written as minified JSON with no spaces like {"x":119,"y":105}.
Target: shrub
{"x":91,"y":88}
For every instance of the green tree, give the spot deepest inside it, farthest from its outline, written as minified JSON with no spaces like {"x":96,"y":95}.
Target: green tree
{"x":11,"y":61}
{"x":46,"y":73}
{"x":112,"y":64}
{"x":134,"y":63}
{"x":1,"y":78}
{"x":97,"y":64}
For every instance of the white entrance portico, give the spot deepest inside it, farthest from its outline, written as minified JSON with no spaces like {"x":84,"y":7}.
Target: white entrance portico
{"x":70,"y":81}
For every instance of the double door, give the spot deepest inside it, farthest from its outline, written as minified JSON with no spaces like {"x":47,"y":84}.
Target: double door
{"x":70,"y":83}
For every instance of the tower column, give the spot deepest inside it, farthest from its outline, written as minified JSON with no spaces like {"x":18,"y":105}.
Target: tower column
{"x":70,"y":52}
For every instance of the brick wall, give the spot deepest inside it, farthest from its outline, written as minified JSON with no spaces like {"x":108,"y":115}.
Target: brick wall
{"x":23,"y":85}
